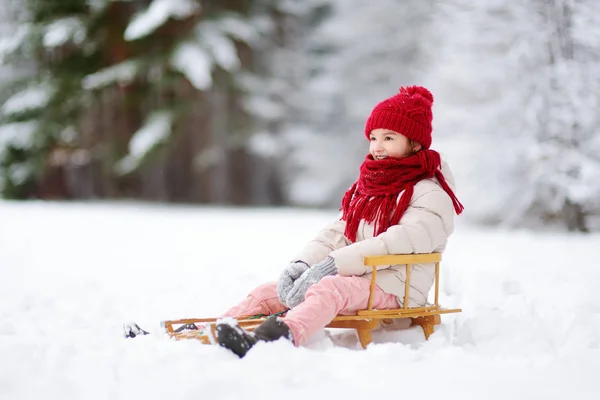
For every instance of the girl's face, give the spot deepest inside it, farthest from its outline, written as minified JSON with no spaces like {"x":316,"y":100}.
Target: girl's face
{"x":386,"y":143}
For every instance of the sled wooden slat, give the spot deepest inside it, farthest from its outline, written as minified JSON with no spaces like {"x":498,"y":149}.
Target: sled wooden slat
{"x":437,"y":283}
{"x":408,"y":313}
{"x":372,"y":289}
{"x":168,"y":325}
{"x":392,"y":259}
{"x":364,"y":320}
{"x":406,"y":286}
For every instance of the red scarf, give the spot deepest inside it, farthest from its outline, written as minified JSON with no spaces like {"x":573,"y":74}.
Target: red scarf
{"x":374,"y":196}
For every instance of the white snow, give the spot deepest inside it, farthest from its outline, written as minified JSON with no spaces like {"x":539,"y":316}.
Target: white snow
{"x":32,"y":97}
{"x":155,"y":131}
{"x":157,"y":14}
{"x":211,"y":45}
{"x":18,"y":173}
{"x":245,"y":30}
{"x":97,"y":5}
{"x":212,"y":36}
{"x":123,"y":72}
{"x":71,"y":274}
{"x":265,"y":144}
{"x":8,"y":44}
{"x":17,"y":134}
{"x":195,"y":63}
{"x":60,"y":31}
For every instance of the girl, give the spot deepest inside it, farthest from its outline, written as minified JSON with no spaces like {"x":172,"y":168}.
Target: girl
{"x":402,"y":203}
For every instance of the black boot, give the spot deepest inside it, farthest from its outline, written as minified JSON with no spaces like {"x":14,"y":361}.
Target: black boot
{"x":240,"y":341}
{"x":131,"y":330}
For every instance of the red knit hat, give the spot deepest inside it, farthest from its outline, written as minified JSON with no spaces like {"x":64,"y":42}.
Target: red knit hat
{"x":408,"y":113}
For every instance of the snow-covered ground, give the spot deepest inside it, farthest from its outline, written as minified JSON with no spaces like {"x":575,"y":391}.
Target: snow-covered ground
{"x":71,"y":274}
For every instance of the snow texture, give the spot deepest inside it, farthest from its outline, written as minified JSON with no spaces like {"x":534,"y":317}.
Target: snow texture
{"x":17,"y":134}
{"x":211,"y":46}
{"x":63,"y":30}
{"x":265,"y":145}
{"x":32,"y":97}
{"x":195,"y":63}
{"x":123,"y":72}
{"x":157,"y":14}
{"x":10,"y":43}
{"x":18,"y":173}
{"x":155,"y":131}
{"x":72,"y":274}
{"x":212,"y":36}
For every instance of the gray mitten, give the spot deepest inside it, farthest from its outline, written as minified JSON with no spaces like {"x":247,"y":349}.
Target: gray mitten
{"x":309,"y":278}
{"x":287,"y":278}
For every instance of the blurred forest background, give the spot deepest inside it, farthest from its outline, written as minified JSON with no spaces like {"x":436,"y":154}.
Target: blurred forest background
{"x":263,"y":102}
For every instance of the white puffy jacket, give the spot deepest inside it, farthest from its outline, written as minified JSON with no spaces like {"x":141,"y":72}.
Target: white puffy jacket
{"x":424,"y":228}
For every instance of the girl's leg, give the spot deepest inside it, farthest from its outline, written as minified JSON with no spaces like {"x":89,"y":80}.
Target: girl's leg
{"x":262,"y":300}
{"x":329,"y":297}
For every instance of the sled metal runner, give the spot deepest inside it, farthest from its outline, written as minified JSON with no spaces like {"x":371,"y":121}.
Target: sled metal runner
{"x":363,"y":321}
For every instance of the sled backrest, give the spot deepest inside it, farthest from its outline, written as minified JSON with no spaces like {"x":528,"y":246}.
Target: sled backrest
{"x":408,"y":260}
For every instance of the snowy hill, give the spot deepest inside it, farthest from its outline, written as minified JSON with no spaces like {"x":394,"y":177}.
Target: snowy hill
{"x":71,"y":274}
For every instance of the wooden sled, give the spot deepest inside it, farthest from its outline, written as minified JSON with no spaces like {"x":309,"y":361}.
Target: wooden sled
{"x":363,"y":321}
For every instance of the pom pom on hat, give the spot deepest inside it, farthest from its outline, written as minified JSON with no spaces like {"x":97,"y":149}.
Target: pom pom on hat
{"x":417,"y":90}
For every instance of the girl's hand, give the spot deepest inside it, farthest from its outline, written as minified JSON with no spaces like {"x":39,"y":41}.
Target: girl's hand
{"x":287,"y":278}
{"x":313,"y":275}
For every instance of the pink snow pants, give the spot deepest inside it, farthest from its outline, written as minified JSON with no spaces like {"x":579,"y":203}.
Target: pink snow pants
{"x":324,"y":300}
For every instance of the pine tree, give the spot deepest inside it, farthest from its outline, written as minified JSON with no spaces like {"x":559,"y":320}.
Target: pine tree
{"x":47,"y":107}
{"x":147,"y":99}
{"x":16,"y":133}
